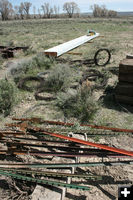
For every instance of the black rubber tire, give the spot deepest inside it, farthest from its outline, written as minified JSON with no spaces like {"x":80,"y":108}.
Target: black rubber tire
{"x":96,"y":60}
{"x":90,"y":74}
{"x":39,"y":97}
{"x":94,"y":74}
{"x":22,"y":82}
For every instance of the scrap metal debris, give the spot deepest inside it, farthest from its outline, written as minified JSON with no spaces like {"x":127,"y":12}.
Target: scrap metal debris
{"x":101,"y":58}
{"x":8,"y":52}
{"x":24,"y":138}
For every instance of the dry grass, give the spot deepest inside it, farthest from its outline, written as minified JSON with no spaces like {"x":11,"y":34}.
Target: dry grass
{"x":42,"y":34}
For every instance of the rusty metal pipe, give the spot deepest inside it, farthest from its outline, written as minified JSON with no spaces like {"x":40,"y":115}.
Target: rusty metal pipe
{"x":60,"y":154}
{"x":39,"y":120}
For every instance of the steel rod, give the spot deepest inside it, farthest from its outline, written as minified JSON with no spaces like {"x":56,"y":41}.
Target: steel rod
{"x":63,"y":148}
{"x":60,"y":154}
{"x":38,"y":120}
{"x":101,"y":146}
{"x":42,"y":181}
{"x":53,"y":174}
{"x":65,"y":165}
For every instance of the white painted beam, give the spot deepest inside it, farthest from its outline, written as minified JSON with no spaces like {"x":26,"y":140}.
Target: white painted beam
{"x":67,"y":46}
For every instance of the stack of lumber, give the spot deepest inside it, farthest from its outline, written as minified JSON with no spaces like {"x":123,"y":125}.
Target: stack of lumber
{"x":124,"y":89}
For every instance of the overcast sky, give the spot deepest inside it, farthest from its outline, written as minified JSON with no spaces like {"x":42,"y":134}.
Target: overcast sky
{"x":84,"y":5}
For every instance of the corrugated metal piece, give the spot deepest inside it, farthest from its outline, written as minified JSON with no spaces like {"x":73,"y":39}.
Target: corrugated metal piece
{"x":67,"y":46}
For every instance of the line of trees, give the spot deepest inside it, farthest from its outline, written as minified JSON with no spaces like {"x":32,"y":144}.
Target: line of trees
{"x":7,"y":11}
{"x":102,"y":11}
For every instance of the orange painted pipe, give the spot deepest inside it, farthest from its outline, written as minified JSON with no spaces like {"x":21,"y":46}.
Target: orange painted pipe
{"x":101,"y":146}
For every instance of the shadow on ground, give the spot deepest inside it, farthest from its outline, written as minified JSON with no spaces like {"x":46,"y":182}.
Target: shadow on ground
{"x":109,"y":101}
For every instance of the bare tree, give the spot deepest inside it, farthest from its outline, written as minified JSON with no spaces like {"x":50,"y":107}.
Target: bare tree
{"x":24,"y":9}
{"x":47,"y":10}
{"x":39,"y":13}
{"x":112,"y":13}
{"x":102,"y":11}
{"x":56,"y":10}
{"x":5,"y":9}
{"x":96,"y":10}
{"x":34,"y":11}
{"x":16,"y":12}
{"x":27,"y":6}
{"x":21,"y":11}
{"x":77,"y":12}
{"x":70,"y":8}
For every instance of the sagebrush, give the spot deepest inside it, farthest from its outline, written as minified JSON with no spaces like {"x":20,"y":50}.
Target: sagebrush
{"x":60,"y":78}
{"x":7,"y":97}
{"x":80,"y":104}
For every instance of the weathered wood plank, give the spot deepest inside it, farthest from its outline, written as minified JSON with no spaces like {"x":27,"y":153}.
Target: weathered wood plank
{"x":126,"y":77}
{"x":124,"y":89}
{"x":124,"y":99}
{"x":126,"y":66}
